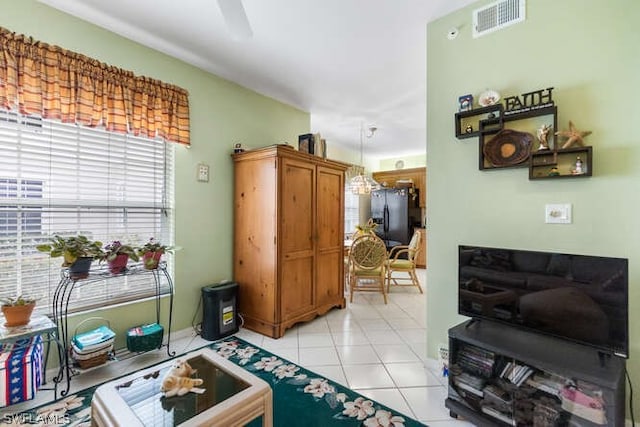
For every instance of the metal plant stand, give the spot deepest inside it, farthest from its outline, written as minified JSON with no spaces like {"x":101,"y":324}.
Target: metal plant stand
{"x":63,"y":293}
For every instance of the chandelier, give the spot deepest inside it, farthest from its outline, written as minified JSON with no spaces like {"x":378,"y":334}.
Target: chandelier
{"x":362,"y":184}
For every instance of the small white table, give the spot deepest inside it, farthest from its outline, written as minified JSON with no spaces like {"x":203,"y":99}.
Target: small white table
{"x":233,"y":397}
{"x":38,"y":325}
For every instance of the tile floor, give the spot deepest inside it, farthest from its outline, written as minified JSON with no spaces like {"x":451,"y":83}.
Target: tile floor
{"x":376,"y":349}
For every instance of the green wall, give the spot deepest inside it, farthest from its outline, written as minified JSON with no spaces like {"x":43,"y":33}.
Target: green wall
{"x":222,"y":113}
{"x":343,"y":154}
{"x":588,"y":51}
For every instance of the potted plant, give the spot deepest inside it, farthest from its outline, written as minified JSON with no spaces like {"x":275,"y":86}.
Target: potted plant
{"x":78,"y":253}
{"x":17,"y":311}
{"x":368,"y":228}
{"x":117,"y":255}
{"x":151,"y":253}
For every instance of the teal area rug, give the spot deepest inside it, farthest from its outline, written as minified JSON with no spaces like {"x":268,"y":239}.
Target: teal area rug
{"x":300,"y":397}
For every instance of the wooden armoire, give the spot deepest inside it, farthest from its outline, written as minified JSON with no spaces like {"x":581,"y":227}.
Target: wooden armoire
{"x":288,"y":237}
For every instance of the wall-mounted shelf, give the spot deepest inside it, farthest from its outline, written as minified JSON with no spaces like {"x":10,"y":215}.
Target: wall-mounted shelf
{"x":510,"y":139}
{"x":518,"y":133}
{"x":553,"y":164}
{"x":485,"y":119}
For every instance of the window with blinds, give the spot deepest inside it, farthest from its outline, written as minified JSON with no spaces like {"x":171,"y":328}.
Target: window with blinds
{"x":58,"y":178}
{"x":351,"y":211}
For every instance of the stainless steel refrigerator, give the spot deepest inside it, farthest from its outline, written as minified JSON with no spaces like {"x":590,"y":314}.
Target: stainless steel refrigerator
{"x":396,"y":212}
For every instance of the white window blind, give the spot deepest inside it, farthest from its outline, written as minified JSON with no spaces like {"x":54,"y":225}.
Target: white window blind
{"x":351,"y":211}
{"x":58,"y":178}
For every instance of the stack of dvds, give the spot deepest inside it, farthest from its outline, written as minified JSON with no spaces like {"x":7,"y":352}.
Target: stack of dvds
{"x":498,"y":396}
{"x":495,"y":413}
{"x":547,"y":382}
{"x":476,"y":360}
{"x":547,"y":412}
{"x":498,"y":403}
{"x":524,"y":398}
{"x":470,"y":383}
{"x":468,"y":388}
{"x":515,"y":373}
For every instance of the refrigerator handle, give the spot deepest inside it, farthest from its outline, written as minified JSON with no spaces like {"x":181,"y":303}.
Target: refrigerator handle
{"x":386,"y":219}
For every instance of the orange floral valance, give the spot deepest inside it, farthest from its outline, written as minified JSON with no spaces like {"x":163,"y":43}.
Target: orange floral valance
{"x":37,"y":78}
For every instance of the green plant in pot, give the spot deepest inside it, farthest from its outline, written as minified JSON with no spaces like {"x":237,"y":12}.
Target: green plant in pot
{"x":78,"y":253}
{"x":117,"y":255}
{"x":17,"y":310}
{"x":368,"y":228}
{"x":152,"y":251}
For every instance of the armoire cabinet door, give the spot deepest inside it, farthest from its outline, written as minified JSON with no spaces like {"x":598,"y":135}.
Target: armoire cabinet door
{"x":254,"y":249}
{"x":297,"y":233}
{"x":329,"y":258}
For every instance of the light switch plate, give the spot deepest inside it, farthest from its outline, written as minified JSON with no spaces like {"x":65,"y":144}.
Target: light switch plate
{"x":559,"y":213}
{"x":203,"y":172}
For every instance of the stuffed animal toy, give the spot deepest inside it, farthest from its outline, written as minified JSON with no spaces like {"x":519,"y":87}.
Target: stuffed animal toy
{"x":178,"y":381}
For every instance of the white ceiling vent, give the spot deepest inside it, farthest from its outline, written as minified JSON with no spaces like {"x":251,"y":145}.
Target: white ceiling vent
{"x":497,"y":15}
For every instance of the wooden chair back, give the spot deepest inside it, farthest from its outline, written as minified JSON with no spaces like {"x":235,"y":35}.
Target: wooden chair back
{"x":367,"y":252}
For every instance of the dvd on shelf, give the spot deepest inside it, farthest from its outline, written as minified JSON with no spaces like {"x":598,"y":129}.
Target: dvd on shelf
{"x":516,"y":374}
{"x":505,"y":418}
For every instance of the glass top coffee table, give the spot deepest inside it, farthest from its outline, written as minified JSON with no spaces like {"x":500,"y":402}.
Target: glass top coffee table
{"x":232,"y":397}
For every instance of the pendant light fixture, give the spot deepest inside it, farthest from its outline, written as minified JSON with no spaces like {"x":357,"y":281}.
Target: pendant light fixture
{"x":362,"y":184}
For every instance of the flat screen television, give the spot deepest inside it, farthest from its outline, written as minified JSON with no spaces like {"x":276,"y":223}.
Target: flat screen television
{"x":580,"y":298}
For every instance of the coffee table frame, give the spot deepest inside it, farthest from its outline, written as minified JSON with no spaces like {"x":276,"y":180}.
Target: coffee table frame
{"x":108,"y":409}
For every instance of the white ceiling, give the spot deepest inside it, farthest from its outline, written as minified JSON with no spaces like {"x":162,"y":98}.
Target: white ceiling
{"x":346,"y":62}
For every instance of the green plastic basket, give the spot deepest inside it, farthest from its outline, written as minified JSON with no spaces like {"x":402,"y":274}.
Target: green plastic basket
{"x":145,"y":337}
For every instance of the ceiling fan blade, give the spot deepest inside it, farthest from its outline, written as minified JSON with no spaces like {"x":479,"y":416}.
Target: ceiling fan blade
{"x":236,"y":18}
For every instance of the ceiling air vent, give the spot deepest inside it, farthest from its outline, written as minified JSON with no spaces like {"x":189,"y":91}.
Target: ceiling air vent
{"x":497,"y":15}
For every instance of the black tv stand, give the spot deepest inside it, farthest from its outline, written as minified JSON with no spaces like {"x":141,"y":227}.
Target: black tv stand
{"x":493,"y":365}
{"x":471,"y":322}
{"x":604,"y":357}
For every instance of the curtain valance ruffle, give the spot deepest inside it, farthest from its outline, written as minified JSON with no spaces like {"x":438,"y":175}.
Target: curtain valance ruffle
{"x":37,"y":78}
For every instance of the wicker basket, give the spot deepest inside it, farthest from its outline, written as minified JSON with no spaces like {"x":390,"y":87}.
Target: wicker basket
{"x":94,"y":358}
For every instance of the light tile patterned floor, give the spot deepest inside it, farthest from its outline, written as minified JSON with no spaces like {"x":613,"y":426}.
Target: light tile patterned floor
{"x":376,"y":349}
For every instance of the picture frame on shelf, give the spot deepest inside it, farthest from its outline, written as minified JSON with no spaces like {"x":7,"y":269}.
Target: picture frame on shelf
{"x":320,"y":145}
{"x":465,"y":102}
{"x":306,"y":143}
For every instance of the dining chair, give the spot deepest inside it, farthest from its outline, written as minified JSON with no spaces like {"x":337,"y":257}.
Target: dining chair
{"x":367,"y":259}
{"x":397,"y":263}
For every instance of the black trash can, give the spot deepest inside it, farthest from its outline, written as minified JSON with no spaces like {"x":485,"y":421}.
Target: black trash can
{"x":219,"y":310}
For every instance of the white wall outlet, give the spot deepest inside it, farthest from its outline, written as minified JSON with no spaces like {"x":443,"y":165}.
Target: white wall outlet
{"x":203,"y":172}
{"x":557,"y":213}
